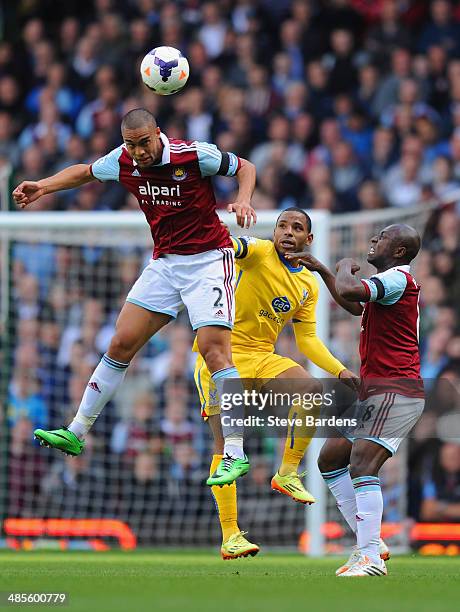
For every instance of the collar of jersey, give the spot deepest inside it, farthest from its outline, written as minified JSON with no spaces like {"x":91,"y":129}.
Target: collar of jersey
{"x":166,"y":156}
{"x":285,"y":262}
{"x":404,"y":268}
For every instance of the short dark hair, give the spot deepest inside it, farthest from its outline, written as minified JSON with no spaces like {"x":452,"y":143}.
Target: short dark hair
{"x":137,"y":118}
{"x":300,"y":210}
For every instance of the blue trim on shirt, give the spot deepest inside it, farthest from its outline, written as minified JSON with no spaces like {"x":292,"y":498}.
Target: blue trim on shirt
{"x":291,"y":268}
{"x":239,"y":278}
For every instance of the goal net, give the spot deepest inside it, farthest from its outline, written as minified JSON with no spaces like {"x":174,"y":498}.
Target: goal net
{"x":64,"y":277}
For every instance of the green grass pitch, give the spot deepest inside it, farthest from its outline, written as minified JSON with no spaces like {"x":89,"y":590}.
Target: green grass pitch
{"x":200,"y":581}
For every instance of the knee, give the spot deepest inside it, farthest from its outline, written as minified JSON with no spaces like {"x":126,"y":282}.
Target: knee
{"x":324,"y":463}
{"x":122,"y":346}
{"x":332,"y":457}
{"x":215,"y":357}
{"x":363,"y":464}
{"x":214,"y":344}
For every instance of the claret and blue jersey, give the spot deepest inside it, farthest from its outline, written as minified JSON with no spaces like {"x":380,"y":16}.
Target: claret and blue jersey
{"x":388,"y":287}
{"x":176,"y":194}
{"x":389,"y":329}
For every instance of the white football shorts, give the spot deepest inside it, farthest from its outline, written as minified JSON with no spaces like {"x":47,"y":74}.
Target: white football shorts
{"x":203,"y":283}
{"x":385,"y":419}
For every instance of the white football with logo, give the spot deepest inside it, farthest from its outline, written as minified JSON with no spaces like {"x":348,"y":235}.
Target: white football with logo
{"x":165,"y":70}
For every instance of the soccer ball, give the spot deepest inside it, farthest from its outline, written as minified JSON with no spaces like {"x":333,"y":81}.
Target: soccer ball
{"x":164,"y":70}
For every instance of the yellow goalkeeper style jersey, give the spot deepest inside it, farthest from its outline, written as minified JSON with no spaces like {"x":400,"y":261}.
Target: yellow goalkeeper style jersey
{"x":270,"y":292}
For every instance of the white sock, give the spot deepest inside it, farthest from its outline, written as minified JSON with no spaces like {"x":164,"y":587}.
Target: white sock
{"x":101,"y":388}
{"x":234,"y":446}
{"x":341,"y":487}
{"x":369,"y":503}
{"x":227,"y":383}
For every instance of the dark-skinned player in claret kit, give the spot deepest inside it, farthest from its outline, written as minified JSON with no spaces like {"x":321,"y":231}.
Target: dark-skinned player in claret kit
{"x":391,"y":397}
{"x":192,"y":264}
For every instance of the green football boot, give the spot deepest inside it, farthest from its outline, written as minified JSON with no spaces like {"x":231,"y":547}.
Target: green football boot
{"x":62,"y":439}
{"x":228,"y":470}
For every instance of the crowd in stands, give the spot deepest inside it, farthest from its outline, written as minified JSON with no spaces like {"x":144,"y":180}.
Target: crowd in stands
{"x":341,"y":105}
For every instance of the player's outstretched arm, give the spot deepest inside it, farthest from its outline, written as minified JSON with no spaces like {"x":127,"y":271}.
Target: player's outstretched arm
{"x":314,"y":265}
{"x":347,"y":285}
{"x":246,"y":177}
{"x":69,"y":178}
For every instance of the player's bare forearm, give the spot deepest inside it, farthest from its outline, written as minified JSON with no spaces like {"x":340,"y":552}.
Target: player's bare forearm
{"x":329,"y":280}
{"x":347,"y":285}
{"x":246,"y":177}
{"x":69,"y":178}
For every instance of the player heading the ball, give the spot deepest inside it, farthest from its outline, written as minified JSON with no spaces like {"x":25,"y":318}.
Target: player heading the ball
{"x":192,"y":264}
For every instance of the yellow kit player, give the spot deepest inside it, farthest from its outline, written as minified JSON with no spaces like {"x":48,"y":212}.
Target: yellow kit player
{"x":270,"y":292}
